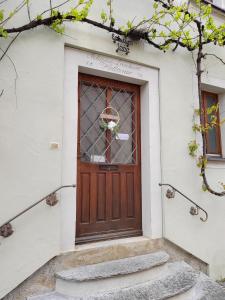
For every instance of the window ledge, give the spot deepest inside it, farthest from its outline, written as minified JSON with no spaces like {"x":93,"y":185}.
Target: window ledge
{"x":215,"y":158}
{"x":215,"y":6}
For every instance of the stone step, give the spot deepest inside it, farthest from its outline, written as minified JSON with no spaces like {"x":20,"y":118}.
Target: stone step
{"x":115,"y":267}
{"x":204,"y":289}
{"x":117,"y":273}
{"x":178,"y":282}
{"x":51,"y":296}
{"x":103,"y":251}
{"x":169,"y":274}
{"x":177,"y":278}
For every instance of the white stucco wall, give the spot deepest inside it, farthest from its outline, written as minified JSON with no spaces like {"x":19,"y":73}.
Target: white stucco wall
{"x":32,"y":115}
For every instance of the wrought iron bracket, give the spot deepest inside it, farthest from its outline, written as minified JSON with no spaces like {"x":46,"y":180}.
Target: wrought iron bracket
{"x":194,"y":210}
{"x":6,"y":230}
{"x":170,"y":193}
{"x":52,"y":200}
{"x":123,"y":44}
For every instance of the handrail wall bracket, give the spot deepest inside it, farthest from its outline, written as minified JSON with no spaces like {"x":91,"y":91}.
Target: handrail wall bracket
{"x":170,"y":193}
{"x":52,"y":200}
{"x":6,"y":230}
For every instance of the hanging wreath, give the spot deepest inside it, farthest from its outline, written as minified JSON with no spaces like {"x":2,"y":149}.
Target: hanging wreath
{"x":110,"y":121}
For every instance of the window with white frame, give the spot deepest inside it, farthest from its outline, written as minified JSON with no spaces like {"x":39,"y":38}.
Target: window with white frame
{"x":215,"y":135}
{"x":217,"y":3}
{"x":211,"y":108}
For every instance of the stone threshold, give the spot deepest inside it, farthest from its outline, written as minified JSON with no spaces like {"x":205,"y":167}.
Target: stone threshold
{"x":108,"y":243}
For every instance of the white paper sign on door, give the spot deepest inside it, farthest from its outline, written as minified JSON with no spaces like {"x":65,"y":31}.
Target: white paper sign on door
{"x":97,"y":158}
{"x":122,"y":136}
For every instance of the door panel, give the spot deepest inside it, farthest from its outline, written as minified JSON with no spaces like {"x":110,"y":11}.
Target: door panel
{"x":109,"y":162}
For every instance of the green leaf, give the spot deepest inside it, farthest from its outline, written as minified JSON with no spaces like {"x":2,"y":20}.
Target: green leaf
{"x":193,"y":147}
{"x":129,"y":24}
{"x":104,"y":16}
{"x":3,"y":32}
{"x":155,"y":5}
{"x":1,"y":15}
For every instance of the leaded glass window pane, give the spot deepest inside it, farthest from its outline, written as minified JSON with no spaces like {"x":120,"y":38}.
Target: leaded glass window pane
{"x":98,"y":145}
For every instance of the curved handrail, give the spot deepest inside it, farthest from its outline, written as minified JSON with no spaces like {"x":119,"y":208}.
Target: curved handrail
{"x":51,"y":200}
{"x":194,"y":210}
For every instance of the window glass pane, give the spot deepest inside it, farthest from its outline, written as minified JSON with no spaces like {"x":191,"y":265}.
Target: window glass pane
{"x":99,"y":144}
{"x":123,"y":145}
{"x":212,"y":134}
{"x":212,"y":143}
{"x":92,"y":138}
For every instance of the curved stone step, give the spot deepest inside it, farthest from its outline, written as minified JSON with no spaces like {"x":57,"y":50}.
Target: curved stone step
{"x":103,"y":277}
{"x":119,"y":286}
{"x":113,"y":268}
{"x":51,"y":296}
{"x":204,"y":289}
{"x":175,"y":281}
{"x":178,"y":278}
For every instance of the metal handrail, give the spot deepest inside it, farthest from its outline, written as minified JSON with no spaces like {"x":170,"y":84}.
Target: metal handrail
{"x":51,"y":200}
{"x":194,"y":210}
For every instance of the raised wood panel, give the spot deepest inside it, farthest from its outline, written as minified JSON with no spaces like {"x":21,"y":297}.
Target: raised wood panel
{"x":116,"y":196}
{"x":101,"y":197}
{"x":85,"y":198}
{"x":130,"y":195}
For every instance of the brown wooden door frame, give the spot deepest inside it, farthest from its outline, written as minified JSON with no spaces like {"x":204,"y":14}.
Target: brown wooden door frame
{"x":94,"y":182}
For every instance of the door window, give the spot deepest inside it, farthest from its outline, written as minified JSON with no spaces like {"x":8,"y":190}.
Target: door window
{"x":110,"y":104}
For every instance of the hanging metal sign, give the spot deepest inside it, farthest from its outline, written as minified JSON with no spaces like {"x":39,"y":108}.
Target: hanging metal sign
{"x":122,"y":44}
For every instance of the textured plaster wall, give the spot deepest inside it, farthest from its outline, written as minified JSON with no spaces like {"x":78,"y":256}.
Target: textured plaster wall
{"x":31,"y":117}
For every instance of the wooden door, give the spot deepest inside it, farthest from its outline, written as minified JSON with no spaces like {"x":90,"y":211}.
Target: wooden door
{"x":109,"y":161}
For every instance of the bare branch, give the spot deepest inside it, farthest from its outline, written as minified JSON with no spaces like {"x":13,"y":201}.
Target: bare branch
{"x":28,"y":11}
{"x":9,"y":45}
{"x":50,"y":3}
{"x":217,"y":57}
{"x":3,"y":1}
{"x":54,"y":7}
{"x":16,"y":77}
{"x":17,"y":9}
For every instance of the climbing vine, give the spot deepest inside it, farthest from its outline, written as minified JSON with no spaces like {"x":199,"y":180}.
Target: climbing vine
{"x":189,"y":25}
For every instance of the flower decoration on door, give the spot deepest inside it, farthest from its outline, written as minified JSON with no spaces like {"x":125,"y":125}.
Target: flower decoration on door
{"x":109,"y":120}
